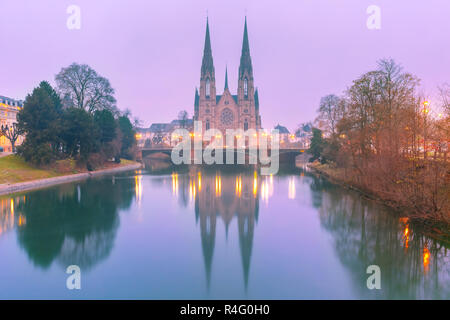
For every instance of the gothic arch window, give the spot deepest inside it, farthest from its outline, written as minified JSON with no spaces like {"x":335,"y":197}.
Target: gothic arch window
{"x":208,"y":88}
{"x":207,"y":126}
{"x":246,"y":88}
{"x":245,"y":125}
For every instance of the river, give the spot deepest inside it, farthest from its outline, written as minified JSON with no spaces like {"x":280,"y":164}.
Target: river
{"x":212,"y":234}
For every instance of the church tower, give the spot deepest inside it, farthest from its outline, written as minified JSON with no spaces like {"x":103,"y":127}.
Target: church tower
{"x":245,"y":82}
{"x":227,"y":111}
{"x":246,"y":90}
{"x":206,"y":99}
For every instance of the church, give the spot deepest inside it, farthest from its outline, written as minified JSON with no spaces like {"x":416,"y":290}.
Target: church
{"x":227,"y":111}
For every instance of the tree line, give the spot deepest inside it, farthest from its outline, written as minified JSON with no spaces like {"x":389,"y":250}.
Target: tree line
{"x":78,"y":120}
{"x":383,"y":136}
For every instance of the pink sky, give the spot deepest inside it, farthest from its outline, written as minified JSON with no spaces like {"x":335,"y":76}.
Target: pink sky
{"x":151,"y":50}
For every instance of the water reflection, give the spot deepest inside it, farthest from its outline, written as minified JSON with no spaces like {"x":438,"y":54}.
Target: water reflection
{"x":226,"y":197}
{"x":413,"y":266}
{"x":71,"y":224}
{"x":9,"y":216}
{"x":78,"y":224}
{"x":364,"y":233}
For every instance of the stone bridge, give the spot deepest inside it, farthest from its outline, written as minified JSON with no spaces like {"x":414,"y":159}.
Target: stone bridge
{"x":287,"y":155}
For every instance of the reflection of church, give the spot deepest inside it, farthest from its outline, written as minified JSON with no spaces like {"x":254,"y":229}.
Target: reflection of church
{"x":227,"y":197}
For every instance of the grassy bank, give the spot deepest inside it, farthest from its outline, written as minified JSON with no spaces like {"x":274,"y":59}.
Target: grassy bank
{"x":14,"y":169}
{"x":434,"y":226}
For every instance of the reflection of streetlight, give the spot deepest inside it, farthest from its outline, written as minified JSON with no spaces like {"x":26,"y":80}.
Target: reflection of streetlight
{"x":426,"y":259}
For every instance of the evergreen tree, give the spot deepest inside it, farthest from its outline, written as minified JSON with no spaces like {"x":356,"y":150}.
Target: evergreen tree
{"x":128,"y":136}
{"x":317,"y":144}
{"x":39,"y":120}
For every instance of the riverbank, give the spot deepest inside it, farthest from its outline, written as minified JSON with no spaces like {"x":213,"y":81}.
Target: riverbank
{"x":16,"y":175}
{"x":433,"y":226}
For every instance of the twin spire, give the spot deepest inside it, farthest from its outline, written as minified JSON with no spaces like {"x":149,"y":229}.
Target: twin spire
{"x":208,"y":64}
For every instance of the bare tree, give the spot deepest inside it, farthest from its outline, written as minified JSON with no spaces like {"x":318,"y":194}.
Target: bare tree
{"x":183,"y":116}
{"x":12,"y":133}
{"x":445,"y":97}
{"x":82,"y":87}
{"x":329,"y":112}
{"x":384,"y":132}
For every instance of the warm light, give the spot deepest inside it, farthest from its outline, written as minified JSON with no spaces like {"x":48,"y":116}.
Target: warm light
{"x":192,"y":190}
{"x":255,"y":185}
{"x":138,"y":136}
{"x":291,"y":190}
{"x":406,"y":236}
{"x":138,"y":188}
{"x":195,"y":192}
{"x":175,"y":184}
{"x":238,"y":186}
{"x":426,"y":258}
{"x":426,"y":103}
{"x":199,"y":181}
{"x":265,"y":191}
{"x":218,"y":186}
{"x":21,"y":221}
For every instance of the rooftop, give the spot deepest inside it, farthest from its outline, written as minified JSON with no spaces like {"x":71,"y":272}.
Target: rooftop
{"x":282,"y":129}
{"x":11,"y":102}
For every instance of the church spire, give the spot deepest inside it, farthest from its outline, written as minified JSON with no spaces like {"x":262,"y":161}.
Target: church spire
{"x":226,"y":78}
{"x":207,"y":62}
{"x":246,"y":61}
{"x":245,"y":45}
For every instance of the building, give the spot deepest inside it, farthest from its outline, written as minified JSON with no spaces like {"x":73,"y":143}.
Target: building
{"x":187,"y":124}
{"x":8,"y":115}
{"x":304,"y":134}
{"x":285,"y":135}
{"x":143,"y":137}
{"x":227,"y":111}
{"x":161,"y":133}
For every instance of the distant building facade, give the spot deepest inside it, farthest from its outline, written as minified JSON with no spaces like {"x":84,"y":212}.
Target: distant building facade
{"x":161,"y":133}
{"x":8,"y":116}
{"x":285,"y":135}
{"x":227,"y":111}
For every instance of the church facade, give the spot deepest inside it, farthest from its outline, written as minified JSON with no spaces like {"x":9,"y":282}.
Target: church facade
{"x":227,"y":111}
